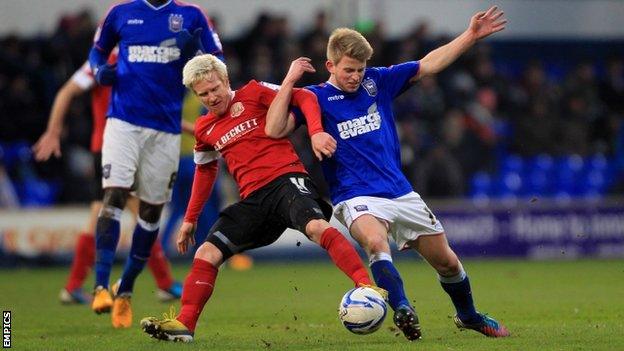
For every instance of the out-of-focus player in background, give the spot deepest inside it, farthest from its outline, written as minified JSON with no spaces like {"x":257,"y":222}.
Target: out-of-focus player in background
{"x":142,"y":135}
{"x":372,"y":197}
{"x":276,"y":191}
{"x":50,"y":144}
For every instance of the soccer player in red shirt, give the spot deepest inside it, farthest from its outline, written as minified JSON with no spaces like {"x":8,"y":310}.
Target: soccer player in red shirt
{"x":49,"y":144}
{"x":276,"y":191}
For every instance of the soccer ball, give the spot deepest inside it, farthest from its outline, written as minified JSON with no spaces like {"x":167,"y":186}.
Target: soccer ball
{"x":362,"y":310}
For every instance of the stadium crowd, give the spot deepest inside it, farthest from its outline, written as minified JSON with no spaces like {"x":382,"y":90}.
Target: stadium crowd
{"x":498,"y":123}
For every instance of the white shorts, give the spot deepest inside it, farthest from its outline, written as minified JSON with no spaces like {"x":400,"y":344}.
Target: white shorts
{"x":142,"y":159}
{"x":408,"y":216}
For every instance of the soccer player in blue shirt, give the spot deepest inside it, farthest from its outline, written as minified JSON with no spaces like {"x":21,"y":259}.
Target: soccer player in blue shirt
{"x":371,"y":196}
{"x":142,"y":136}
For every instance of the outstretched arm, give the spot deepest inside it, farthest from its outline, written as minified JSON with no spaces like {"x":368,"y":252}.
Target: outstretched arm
{"x":482,"y":24}
{"x":204,"y":179}
{"x":49,"y":142}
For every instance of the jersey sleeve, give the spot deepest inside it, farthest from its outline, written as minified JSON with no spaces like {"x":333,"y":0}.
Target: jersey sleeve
{"x":265,"y":91}
{"x":203,"y":153}
{"x":107,"y":35}
{"x":83,"y":77}
{"x":210,"y":39}
{"x":395,"y":79}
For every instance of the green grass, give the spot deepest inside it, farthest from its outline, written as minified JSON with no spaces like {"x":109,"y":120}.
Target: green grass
{"x":567,"y":305}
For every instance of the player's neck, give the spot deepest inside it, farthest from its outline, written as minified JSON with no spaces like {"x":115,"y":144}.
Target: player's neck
{"x":157,"y":3}
{"x":332,"y":80}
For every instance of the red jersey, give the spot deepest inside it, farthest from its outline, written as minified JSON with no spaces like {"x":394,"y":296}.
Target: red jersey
{"x":100,"y":99}
{"x":253,"y":158}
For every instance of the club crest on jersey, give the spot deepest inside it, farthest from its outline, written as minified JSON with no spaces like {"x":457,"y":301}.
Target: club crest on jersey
{"x":237,"y":109}
{"x":360,"y":208}
{"x":370,"y":86}
{"x":175,"y":22}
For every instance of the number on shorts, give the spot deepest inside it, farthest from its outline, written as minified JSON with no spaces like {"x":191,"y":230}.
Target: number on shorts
{"x":431,"y":216}
{"x":300,"y":184}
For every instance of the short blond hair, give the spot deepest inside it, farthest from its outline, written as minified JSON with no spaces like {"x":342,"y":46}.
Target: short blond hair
{"x":201,"y":67}
{"x":348,"y":42}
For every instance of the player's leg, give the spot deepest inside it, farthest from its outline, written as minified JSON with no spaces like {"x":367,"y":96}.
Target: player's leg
{"x":120,"y":159}
{"x":168,"y":288}
{"x":107,"y":237}
{"x":242,"y":226}
{"x":299,"y":203}
{"x":368,"y":221}
{"x":84,"y":253}
{"x":82,"y":262}
{"x":155,"y":176}
{"x":371,"y":233}
{"x":143,"y":238}
{"x":454,"y":280}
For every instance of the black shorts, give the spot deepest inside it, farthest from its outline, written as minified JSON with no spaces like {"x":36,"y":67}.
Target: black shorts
{"x":98,"y":192}
{"x":290,"y":201}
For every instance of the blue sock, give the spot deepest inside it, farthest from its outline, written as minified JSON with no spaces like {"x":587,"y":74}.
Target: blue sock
{"x":143,"y":239}
{"x":458,"y":288}
{"x":386,"y":276}
{"x":106,"y":239}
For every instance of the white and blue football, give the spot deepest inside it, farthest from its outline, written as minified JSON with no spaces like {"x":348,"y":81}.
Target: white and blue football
{"x":362,"y":310}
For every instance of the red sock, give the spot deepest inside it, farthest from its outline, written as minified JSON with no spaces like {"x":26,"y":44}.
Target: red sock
{"x":159,"y":266}
{"x":84,"y":258}
{"x":197,"y":289}
{"x":344,"y":256}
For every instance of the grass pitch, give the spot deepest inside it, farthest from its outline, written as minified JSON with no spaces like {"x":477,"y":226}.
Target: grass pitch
{"x":564,"y":305}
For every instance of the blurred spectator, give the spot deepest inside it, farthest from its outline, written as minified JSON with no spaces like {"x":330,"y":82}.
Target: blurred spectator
{"x":489,"y":104}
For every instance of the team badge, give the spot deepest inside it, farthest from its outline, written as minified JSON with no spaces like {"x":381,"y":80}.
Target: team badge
{"x":370,"y":86}
{"x":360,"y":208}
{"x":106,"y":171}
{"x":175,"y":22}
{"x":236,"y":109}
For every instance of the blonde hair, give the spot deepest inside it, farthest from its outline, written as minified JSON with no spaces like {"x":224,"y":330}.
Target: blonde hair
{"x":201,"y":67}
{"x":348,"y":42}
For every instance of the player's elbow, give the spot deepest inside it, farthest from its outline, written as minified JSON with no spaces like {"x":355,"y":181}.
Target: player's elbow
{"x":273,"y":132}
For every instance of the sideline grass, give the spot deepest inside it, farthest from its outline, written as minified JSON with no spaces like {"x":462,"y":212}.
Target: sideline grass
{"x":566,"y":305}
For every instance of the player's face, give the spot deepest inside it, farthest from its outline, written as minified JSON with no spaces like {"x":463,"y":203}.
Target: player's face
{"x":347,"y":74}
{"x":214,"y":93}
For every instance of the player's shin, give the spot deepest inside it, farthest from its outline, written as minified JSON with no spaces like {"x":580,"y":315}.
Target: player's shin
{"x":84,"y":258}
{"x":106,"y":239}
{"x":344,"y":256}
{"x":458,"y":288}
{"x":143,"y":239}
{"x":387,"y":276}
{"x":159,"y":266}
{"x":198,"y":287}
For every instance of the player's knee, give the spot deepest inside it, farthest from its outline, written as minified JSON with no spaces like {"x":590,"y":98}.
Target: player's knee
{"x":210,"y":253}
{"x":315,"y":228}
{"x":150,"y":213}
{"x":449,"y":266}
{"x":115,"y":197}
{"x":375,"y":243}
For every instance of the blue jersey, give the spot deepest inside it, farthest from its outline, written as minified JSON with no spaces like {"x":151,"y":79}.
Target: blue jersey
{"x":367,"y":161}
{"x":149,"y":89}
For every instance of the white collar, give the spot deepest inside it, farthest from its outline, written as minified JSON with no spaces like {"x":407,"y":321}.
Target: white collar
{"x":154,"y":7}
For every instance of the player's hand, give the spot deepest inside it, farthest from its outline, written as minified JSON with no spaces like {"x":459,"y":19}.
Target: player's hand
{"x":323,"y":144}
{"x":186,"y":236}
{"x":189,"y":43}
{"x":297,"y":68}
{"x":106,"y":74}
{"x":485,"y":23}
{"x":49,"y":144}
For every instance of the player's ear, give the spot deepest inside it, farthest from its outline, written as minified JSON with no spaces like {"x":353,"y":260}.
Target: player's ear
{"x":330,"y":66}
